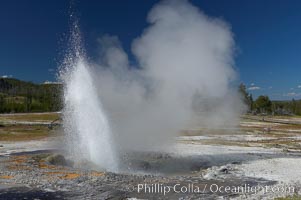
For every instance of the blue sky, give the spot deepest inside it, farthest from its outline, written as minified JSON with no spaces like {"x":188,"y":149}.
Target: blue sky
{"x":267,"y":33}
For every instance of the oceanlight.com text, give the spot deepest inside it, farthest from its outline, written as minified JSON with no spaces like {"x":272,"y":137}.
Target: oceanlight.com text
{"x":212,"y":188}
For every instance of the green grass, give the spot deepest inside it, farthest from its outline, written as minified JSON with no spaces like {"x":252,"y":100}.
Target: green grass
{"x":295,"y":197}
{"x":30,"y":117}
{"x":17,"y":131}
{"x":24,"y":132}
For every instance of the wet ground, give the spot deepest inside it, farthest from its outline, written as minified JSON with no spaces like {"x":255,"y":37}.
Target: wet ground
{"x":30,"y":176}
{"x":257,"y":160}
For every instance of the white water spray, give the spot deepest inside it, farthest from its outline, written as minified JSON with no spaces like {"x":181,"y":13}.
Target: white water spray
{"x":87,"y":129}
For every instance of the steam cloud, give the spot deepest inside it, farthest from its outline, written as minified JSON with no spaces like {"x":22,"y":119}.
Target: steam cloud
{"x":184,"y":77}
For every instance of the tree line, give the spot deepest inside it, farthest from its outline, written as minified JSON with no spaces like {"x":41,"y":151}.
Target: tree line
{"x":263,"y":104}
{"x":22,"y":96}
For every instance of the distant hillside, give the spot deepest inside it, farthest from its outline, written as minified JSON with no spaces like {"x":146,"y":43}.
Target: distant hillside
{"x":287,"y":107}
{"x":23,"y":96}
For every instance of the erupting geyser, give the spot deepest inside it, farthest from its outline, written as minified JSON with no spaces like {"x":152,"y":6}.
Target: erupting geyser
{"x":85,"y":123}
{"x":183,"y":79}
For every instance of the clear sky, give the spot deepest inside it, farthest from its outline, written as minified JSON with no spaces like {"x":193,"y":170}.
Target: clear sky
{"x":267,"y":35}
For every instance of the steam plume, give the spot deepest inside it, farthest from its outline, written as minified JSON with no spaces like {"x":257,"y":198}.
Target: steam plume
{"x":184,"y":77}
